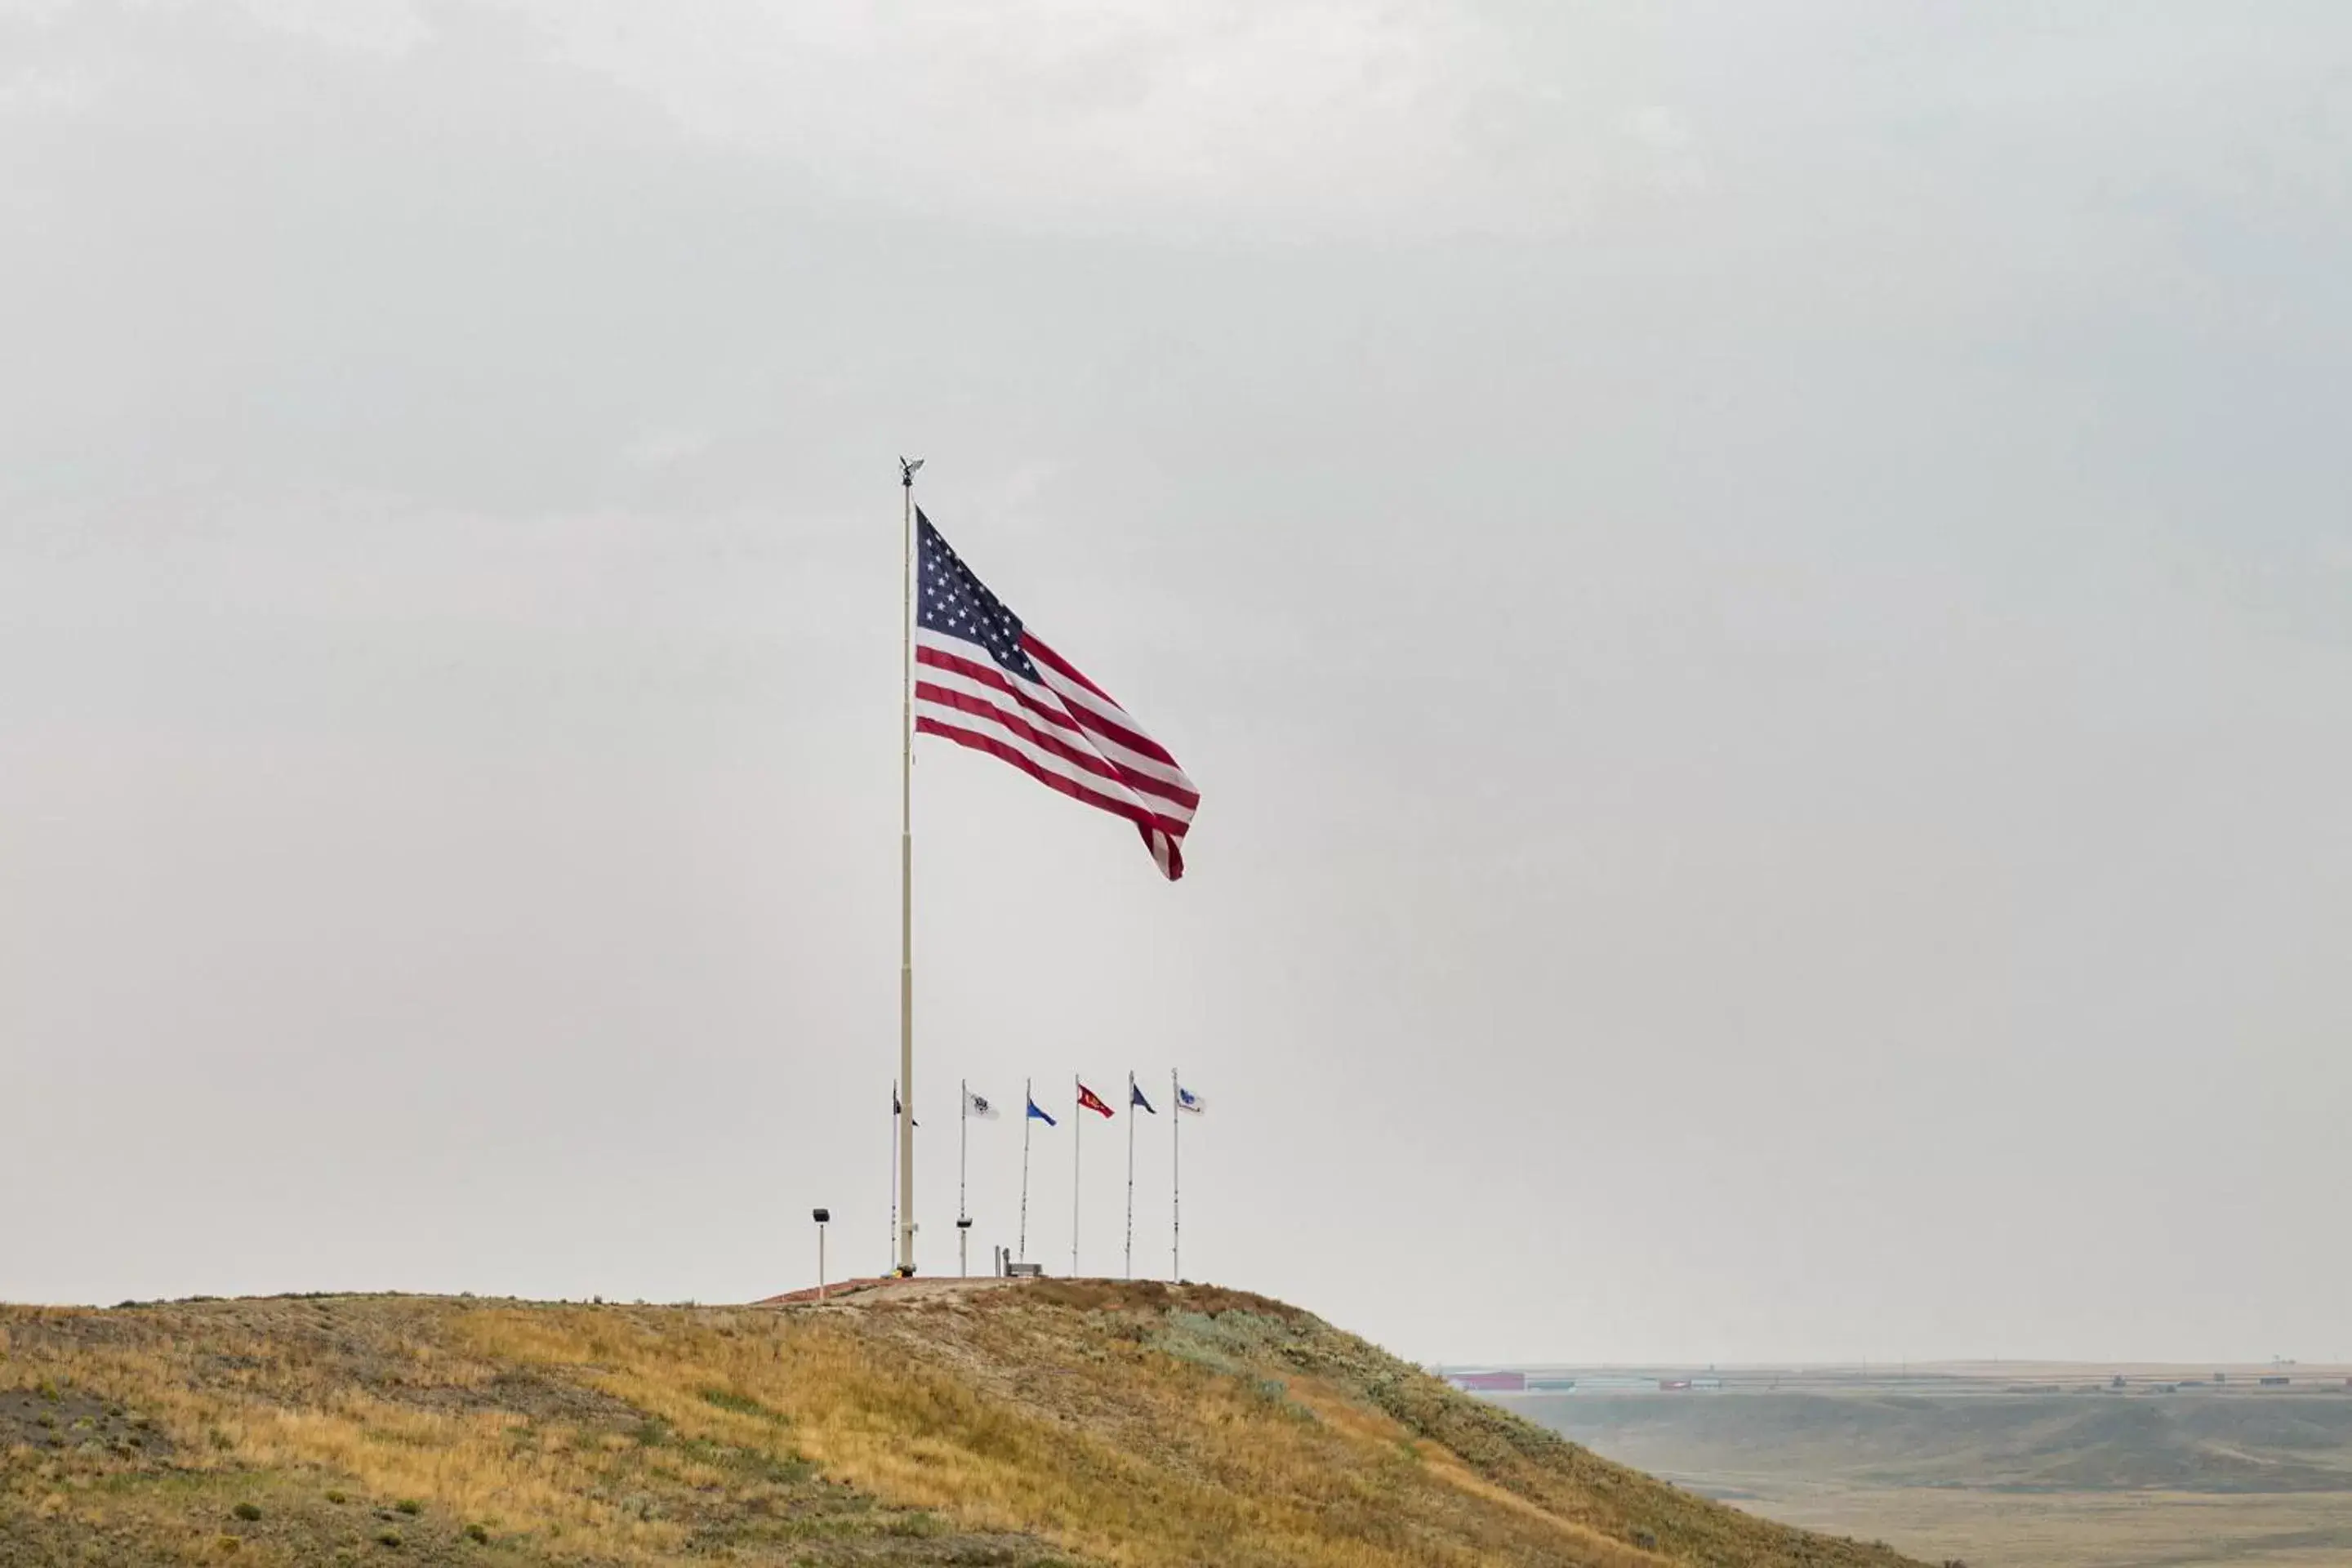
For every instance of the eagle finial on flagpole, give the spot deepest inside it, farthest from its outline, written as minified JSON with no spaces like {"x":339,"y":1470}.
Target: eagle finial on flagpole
{"x":906,"y":472}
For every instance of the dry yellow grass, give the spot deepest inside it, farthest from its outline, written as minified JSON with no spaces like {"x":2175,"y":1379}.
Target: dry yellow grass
{"x":1133,"y":1425}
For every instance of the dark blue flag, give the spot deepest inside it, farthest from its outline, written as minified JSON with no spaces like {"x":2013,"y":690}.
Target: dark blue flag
{"x":1041,"y":1115}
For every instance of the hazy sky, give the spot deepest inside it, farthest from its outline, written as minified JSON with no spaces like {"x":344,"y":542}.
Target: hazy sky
{"x":1760,"y":598}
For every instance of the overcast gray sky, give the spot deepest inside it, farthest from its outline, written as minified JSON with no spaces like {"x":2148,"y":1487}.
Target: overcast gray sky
{"x":1760,"y":597}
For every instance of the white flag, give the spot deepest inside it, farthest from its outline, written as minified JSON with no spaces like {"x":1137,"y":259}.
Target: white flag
{"x":1187,"y":1100}
{"x":978,"y":1105}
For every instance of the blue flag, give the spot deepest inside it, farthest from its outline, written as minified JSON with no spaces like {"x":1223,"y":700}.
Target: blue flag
{"x":1135,"y":1097}
{"x":1041,"y":1115}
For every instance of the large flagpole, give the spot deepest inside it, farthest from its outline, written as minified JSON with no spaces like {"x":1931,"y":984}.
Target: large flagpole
{"x":1028,"y":1098}
{"x":906,"y":1224}
{"x":1175,"y":1177}
{"x":1130,"y":1172}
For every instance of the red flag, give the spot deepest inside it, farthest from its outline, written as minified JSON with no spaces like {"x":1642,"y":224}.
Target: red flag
{"x":1089,"y":1101}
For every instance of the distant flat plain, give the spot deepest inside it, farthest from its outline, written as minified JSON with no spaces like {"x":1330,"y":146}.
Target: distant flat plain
{"x":2002,"y":1465}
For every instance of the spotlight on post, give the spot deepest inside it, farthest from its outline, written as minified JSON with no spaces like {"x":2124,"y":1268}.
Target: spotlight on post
{"x":821,"y":1217}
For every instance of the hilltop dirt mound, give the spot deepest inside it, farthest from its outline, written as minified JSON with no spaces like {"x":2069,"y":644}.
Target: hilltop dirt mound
{"x":1051,"y":1423}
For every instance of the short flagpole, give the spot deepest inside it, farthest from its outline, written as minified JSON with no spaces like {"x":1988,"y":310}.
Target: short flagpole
{"x":1078,"y":1125}
{"x":1028,"y":1098}
{"x":1175,"y":1177}
{"x":963,"y":1138}
{"x":904,"y":1219}
{"x":897,"y":1106}
{"x":1130,"y":1172}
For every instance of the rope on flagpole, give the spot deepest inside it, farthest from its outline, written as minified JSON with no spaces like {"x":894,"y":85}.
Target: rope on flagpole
{"x":1130,"y":1174}
{"x":1078,"y":1125}
{"x":963,"y":1139}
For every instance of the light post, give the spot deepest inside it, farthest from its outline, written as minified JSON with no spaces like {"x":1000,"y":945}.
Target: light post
{"x":820,"y":1215}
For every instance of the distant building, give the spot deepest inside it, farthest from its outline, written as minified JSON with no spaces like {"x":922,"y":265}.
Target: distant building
{"x":1489,"y":1382}
{"x":1674,"y":1385}
{"x":1551,"y":1385}
{"x":1609,"y":1382}
{"x":2274,"y":1382}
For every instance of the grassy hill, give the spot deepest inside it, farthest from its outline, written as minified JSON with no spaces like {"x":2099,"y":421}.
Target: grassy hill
{"x":1049,"y":1422}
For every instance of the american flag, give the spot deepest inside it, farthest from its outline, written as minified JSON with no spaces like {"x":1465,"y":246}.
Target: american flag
{"x":983,"y":680}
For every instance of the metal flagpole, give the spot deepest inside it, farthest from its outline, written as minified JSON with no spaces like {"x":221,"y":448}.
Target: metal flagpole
{"x":1130,"y":1172}
{"x":904,"y":1219}
{"x":1078,"y":1125}
{"x":1175,"y":1177}
{"x":1027,"y":1099}
{"x":896,"y":1106}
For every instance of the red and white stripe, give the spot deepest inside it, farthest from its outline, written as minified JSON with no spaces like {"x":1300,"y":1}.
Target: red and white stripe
{"x":1065,"y":732}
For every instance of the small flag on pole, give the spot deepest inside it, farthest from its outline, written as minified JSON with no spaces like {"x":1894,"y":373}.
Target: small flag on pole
{"x":984,"y":682}
{"x":1037,"y":1115}
{"x":1135,"y":1096}
{"x":978,"y":1105}
{"x":1187,"y":1100}
{"x":1089,"y":1101}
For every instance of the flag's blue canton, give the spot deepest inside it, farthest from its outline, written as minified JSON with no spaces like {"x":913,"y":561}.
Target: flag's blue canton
{"x":950,"y":599}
